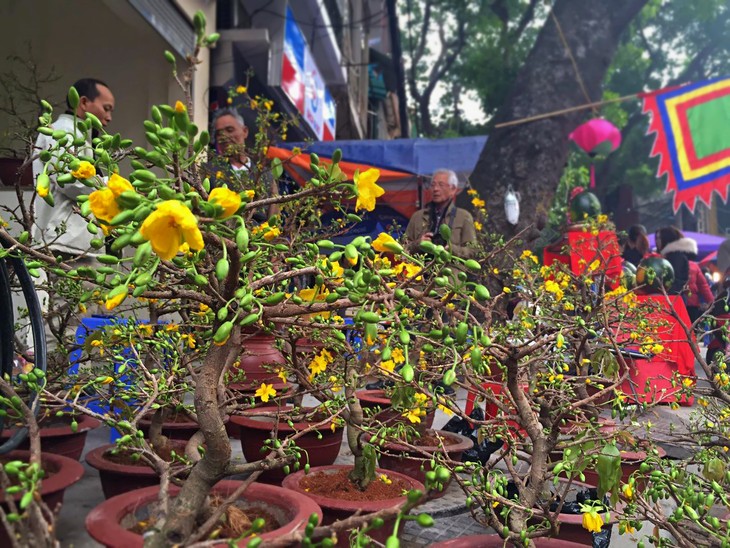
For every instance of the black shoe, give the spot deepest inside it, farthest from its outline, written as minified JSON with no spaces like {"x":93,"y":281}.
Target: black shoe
{"x":379,"y":385}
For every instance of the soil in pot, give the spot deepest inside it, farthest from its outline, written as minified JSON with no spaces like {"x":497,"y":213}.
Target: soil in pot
{"x":328,"y":480}
{"x":319,"y":447}
{"x":111,"y":522}
{"x":398,"y":457}
{"x":57,"y":436}
{"x":60,"y":473}
{"x":120,"y":473}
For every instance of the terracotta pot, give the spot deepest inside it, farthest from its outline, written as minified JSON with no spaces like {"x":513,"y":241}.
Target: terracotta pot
{"x":61,"y":472}
{"x":245,"y":394}
{"x":104,"y":523}
{"x":117,"y":478}
{"x":9,"y":168}
{"x":253,"y":431}
{"x":571,"y":525}
{"x":495,"y":541}
{"x":336,"y":509}
{"x":412,"y":462}
{"x":176,"y":427}
{"x":58,"y":438}
{"x":259,"y":361}
{"x":379,"y":403}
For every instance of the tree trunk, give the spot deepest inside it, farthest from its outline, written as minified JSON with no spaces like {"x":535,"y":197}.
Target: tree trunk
{"x":531,"y":156}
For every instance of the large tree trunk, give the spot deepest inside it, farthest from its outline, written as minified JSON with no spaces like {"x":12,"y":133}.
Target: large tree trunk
{"x":531,"y":156}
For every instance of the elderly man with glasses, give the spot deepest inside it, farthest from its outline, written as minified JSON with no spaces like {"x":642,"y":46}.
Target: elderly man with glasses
{"x":425,"y":223}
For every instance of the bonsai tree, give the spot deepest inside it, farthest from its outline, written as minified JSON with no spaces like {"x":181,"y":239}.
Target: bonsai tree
{"x":188,"y":245}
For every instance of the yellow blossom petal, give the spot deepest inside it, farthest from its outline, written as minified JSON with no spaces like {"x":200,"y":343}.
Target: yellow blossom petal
{"x":169,"y":226}
{"x":367,"y":190}
{"x":229,"y":200}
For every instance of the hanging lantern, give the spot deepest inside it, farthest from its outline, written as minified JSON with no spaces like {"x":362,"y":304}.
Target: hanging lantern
{"x":512,"y":205}
{"x":596,"y":137}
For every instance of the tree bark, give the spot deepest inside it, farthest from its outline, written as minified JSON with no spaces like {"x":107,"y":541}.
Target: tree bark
{"x":531,"y":156}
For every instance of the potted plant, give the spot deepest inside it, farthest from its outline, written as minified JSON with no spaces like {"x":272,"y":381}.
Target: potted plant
{"x":189,"y":245}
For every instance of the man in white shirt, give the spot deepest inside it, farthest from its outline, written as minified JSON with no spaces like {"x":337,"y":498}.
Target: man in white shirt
{"x":61,"y":227}
{"x":94,"y":97}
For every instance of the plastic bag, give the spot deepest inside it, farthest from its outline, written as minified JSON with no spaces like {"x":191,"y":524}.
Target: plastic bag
{"x":481,"y":451}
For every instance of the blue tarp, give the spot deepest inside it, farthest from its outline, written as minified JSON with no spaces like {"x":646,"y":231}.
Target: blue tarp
{"x":417,"y":156}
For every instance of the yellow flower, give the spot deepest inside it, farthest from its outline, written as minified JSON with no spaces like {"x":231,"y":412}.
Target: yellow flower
{"x":628,"y":491}
{"x":397,"y":356}
{"x":592,"y":521}
{"x":230,"y":201}
{"x":103,"y":202}
{"x":249,"y":194}
{"x":478,"y":226}
{"x":202,"y":307}
{"x":594,"y":265}
{"x":169,"y":226}
{"x":219,"y":175}
{"x":367,"y":190}
{"x":388,"y":365}
{"x":82,"y":308}
{"x":282,"y":375}
{"x":180,"y":107}
{"x":146,"y":328}
{"x":296,"y":151}
{"x":189,"y":339}
{"x":84,"y":171}
{"x":385,"y":243}
{"x":115,"y":301}
{"x":241,"y":89}
{"x":414,"y":415}
{"x":320,"y":361}
{"x":385,"y":479}
{"x":265,"y":391}
{"x":254,"y":104}
{"x":268,"y":105}
{"x":445,"y":409}
{"x":478,"y":202}
{"x":107,"y":380}
{"x":409,"y":269}
{"x":229,"y":101}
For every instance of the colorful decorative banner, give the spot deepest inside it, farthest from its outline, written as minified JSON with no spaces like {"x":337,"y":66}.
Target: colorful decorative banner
{"x":692,"y":139}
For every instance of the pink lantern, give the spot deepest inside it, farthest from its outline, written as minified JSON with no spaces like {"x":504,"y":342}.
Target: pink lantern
{"x":596,"y":137}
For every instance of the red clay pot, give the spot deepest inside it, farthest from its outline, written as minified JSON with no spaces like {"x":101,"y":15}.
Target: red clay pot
{"x":61,"y":472}
{"x":378,"y":402}
{"x":60,"y":439}
{"x":253,"y":431}
{"x":104,"y":523}
{"x":181,"y":427}
{"x":400,"y":458}
{"x":117,"y":478}
{"x":495,"y":541}
{"x":259,"y":361}
{"x":335,"y":509}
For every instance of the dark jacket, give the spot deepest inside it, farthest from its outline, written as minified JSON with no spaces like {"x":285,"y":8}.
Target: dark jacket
{"x":463,"y":233}
{"x":679,"y":253}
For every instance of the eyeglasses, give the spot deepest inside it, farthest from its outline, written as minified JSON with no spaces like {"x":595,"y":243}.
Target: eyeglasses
{"x":433,"y":184}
